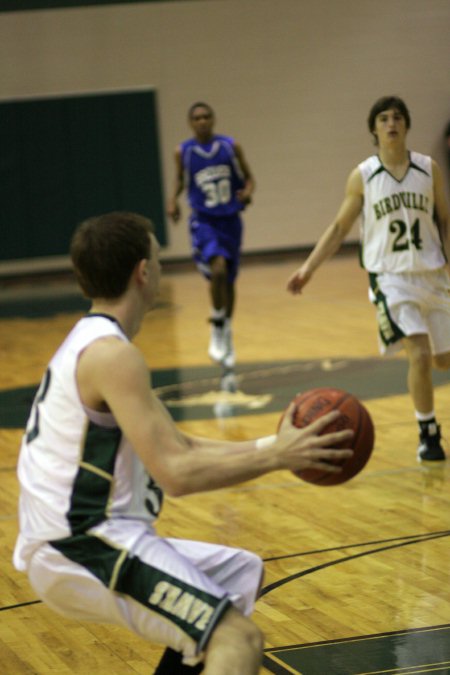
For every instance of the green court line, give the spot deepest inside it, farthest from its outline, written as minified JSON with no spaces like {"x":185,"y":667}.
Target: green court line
{"x":182,"y":389}
{"x":401,"y":652}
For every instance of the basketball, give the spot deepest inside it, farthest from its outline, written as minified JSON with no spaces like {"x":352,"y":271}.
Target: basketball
{"x":317,"y":402}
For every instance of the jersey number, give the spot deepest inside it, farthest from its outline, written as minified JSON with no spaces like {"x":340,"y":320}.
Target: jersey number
{"x":32,"y":430}
{"x":401,"y":242}
{"x":217,"y":193}
{"x":154,"y":497}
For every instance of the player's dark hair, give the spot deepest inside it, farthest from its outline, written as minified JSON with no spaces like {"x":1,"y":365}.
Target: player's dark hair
{"x":105,"y":250}
{"x":199,"y":104}
{"x":387,"y":103}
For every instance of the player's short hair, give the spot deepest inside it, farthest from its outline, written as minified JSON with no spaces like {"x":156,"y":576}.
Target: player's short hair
{"x":387,"y":103}
{"x":105,"y":250}
{"x":199,"y":104}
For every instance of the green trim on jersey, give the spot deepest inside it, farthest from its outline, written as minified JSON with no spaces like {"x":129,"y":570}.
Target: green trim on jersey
{"x":92,"y":553}
{"x":95,"y":479}
{"x":376,"y":172}
{"x":195,"y":612}
{"x":388,"y":330}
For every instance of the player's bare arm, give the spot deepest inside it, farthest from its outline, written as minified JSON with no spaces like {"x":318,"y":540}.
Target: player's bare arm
{"x":333,"y":236}
{"x":441,"y":208}
{"x":245,"y":195}
{"x":182,"y":464}
{"x":173,"y":209}
{"x":288,"y":447}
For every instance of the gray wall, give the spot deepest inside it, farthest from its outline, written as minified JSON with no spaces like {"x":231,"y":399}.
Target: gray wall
{"x":292,"y":80}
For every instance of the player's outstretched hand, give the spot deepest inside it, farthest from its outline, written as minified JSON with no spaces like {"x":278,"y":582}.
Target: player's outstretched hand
{"x":244,"y":196}
{"x":298,"y":280}
{"x":309,"y":447}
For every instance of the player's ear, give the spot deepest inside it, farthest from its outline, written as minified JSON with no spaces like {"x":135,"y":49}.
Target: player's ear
{"x":141,"y":271}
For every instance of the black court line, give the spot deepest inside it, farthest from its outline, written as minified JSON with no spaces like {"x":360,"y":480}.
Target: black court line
{"x":21,"y":604}
{"x":316,"y":568}
{"x":366,"y":543}
{"x":412,"y":539}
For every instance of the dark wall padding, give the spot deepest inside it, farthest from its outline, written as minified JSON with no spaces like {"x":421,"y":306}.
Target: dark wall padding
{"x":64,"y":159}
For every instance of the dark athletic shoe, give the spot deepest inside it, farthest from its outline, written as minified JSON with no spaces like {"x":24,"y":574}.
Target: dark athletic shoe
{"x":430,"y":448}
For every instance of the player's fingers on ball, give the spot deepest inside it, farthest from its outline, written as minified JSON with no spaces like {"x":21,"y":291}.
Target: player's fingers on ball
{"x":289,"y":415}
{"x":329,"y":467}
{"x":323,"y":421}
{"x":337,"y":437}
{"x":337,"y":455}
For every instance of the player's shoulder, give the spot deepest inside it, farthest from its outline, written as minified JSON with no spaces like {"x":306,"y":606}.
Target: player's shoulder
{"x":222,"y":138}
{"x":421,"y":161}
{"x":419,"y":156}
{"x":105,"y":353}
{"x":370,"y":163}
{"x":370,"y":167}
{"x":188,"y":145}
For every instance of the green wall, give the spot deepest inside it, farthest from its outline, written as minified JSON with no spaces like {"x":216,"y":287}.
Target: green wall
{"x":64,"y":159}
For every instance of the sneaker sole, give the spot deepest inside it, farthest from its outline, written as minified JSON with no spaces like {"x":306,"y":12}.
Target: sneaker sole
{"x":441,"y":458}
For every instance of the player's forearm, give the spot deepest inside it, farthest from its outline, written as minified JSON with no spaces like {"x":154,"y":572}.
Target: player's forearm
{"x":326,"y":247}
{"x":178,"y":189}
{"x":219,"y":465}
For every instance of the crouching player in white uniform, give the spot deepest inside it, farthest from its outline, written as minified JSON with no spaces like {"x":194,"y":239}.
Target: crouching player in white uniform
{"x":405,"y":248}
{"x":98,"y":453}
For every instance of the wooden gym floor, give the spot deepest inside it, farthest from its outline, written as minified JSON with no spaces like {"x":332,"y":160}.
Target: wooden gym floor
{"x":357,"y":576}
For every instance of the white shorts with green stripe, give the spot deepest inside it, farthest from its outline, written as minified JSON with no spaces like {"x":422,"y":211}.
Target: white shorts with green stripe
{"x":412,"y":304}
{"x":169,"y":591}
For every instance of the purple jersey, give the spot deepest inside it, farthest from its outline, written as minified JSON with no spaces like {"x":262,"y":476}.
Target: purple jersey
{"x":212,"y":175}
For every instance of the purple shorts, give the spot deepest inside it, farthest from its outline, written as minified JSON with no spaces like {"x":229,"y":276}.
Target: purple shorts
{"x":216,"y":236}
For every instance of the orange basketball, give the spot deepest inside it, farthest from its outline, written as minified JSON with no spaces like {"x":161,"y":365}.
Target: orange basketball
{"x":317,"y":402}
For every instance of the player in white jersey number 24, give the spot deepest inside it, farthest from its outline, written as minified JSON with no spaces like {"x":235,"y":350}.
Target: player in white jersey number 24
{"x":400,"y":197}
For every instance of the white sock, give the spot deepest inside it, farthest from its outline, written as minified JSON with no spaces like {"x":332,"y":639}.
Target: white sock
{"x":425,"y":417}
{"x":217,"y":314}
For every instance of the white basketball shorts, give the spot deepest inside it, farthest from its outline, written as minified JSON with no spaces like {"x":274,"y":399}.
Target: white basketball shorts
{"x":169,"y":591}
{"x":412,"y":304}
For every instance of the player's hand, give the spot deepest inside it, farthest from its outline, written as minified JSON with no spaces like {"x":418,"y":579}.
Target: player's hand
{"x":244,"y":196}
{"x":298,"y":280}
{"x":173,"y":211}
{"x":309,"y":448}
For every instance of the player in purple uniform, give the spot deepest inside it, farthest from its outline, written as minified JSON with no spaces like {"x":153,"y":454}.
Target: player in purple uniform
{"x":220,"y":184}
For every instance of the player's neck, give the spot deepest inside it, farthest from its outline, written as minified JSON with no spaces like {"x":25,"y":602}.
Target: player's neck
{"x":394,"y":156}
{"x":128,"y":320}
{"x":395,"y":161}
{"x":203,"y":139}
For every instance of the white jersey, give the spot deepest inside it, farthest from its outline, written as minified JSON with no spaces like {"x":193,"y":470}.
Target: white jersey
{"x":76,"y":469}
{"x":398,"y":231}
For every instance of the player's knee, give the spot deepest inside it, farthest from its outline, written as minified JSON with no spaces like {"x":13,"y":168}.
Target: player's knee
{"x":218,"y":267}
{"x":441,"y":361}
{"x":253,"y":636}
{"x":239,"y":633}
{"x":246,"y":633}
